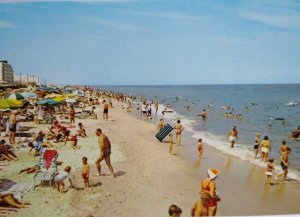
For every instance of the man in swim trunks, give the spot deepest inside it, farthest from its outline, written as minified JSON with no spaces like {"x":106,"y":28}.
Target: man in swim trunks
{"x":233,"y":135}
{"x":105,"y":110}
{"x":12,"y":127}
{"x":284,"y":162}
{"x":105,"y":151}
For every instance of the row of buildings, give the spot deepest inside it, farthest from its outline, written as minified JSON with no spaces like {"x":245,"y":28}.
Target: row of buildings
{"x":8,"y":77}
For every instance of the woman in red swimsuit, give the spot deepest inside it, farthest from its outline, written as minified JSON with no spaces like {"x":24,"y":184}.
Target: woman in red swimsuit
{"x":208,"y":187}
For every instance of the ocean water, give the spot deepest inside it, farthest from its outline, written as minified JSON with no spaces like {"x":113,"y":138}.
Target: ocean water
{"x":265,"y":103}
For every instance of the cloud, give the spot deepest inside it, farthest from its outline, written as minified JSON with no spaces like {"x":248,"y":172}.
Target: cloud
{"x":291,"y":21}
{"x":4,"y":24}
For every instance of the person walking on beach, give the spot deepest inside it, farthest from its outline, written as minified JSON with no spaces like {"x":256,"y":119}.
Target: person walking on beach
{"x":178,"y":130}
{"x":105,"y":151}
{"x":170,"y":143}
{"x":174,"y":211}
{"x":85,"y":172}
{"x":269,"y":171}
{"x":200,"y":147}
{"x":233,"y":135}
{"x":105,"y":110}
{"x":208,"y":188}
{"x":256,"y":145}
{"x":265,"y":147}
{"x":156,"y":108}
{"x":284,"y":163}
{"x":72,"y":115}
{"x":12,"y":128}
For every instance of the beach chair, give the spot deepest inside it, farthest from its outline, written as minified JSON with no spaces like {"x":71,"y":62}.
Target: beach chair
{"x":164,"y":132}
{"x":46,"y":170}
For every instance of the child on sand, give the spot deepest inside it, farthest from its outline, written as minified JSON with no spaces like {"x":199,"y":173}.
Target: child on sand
{"x":170,"y":143}
{"x":269,"y":171}
{"x":85,"y":172}
{"x":200,"y":147}
{"x":256,"y":145}
{"x":60,"y":177}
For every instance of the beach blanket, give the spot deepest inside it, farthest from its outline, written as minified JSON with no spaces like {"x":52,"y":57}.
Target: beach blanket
{"x":19,"y":189}
{"x":48,"y":157}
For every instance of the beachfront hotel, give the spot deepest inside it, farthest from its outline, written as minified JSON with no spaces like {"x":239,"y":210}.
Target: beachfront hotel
{"x":26,"y":79}
{"x":6,"y":72}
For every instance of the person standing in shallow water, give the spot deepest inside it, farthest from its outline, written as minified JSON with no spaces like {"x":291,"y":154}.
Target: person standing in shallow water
{"x":265,"y":147}
{"x":233,"y":135}
{"x":178,"y":130}
{"x":256,"y":145}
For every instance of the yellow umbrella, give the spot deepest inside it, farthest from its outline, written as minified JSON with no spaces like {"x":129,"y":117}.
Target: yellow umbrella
{"x":53,"y":95}
{"x":59,"y":99}
{"x":7,"y":104}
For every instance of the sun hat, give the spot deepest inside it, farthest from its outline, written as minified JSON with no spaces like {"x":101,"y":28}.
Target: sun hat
{"x":212,"y":173}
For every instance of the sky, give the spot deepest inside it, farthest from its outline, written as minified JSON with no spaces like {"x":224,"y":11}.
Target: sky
{"x":152,"y":42}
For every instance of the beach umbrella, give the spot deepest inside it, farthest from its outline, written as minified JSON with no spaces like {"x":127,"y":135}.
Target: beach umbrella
{"x":68,"y":90}
{"x":70,"y":100}
{"x":10,"y":104}
{"x":29,"y":95}
{"x":59,"y":99}
{"x":53,"y":95}
{"x":16,"y":96}
{"x":47,"y":102}
{"x":78,"y":92}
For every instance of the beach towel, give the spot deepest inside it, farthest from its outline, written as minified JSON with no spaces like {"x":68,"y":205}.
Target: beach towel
{"x":48,"y":157}
{"x":164,"y":132}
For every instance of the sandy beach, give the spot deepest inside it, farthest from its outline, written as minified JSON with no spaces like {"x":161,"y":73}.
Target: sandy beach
{"x":148,"y":179}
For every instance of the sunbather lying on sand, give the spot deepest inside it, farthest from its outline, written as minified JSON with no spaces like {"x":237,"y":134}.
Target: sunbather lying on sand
{"x":8,"y":199}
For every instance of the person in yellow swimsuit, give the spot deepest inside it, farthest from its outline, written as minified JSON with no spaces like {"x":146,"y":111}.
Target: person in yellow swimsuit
{"x":85,"y":172}
{"x":170,"y":143}
{"x":178,"y":130}
{"x":265,"y":147}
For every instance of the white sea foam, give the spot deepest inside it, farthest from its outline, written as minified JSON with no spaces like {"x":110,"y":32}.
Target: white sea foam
{"x":292,"y":103}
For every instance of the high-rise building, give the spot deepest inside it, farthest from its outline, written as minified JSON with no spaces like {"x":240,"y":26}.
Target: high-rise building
{"x":6,"y":72}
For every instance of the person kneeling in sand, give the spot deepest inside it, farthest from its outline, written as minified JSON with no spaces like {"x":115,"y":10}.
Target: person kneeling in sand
{"x":199,"y":208}
{"x":8,"y":199}
{"x":60,"y":177}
